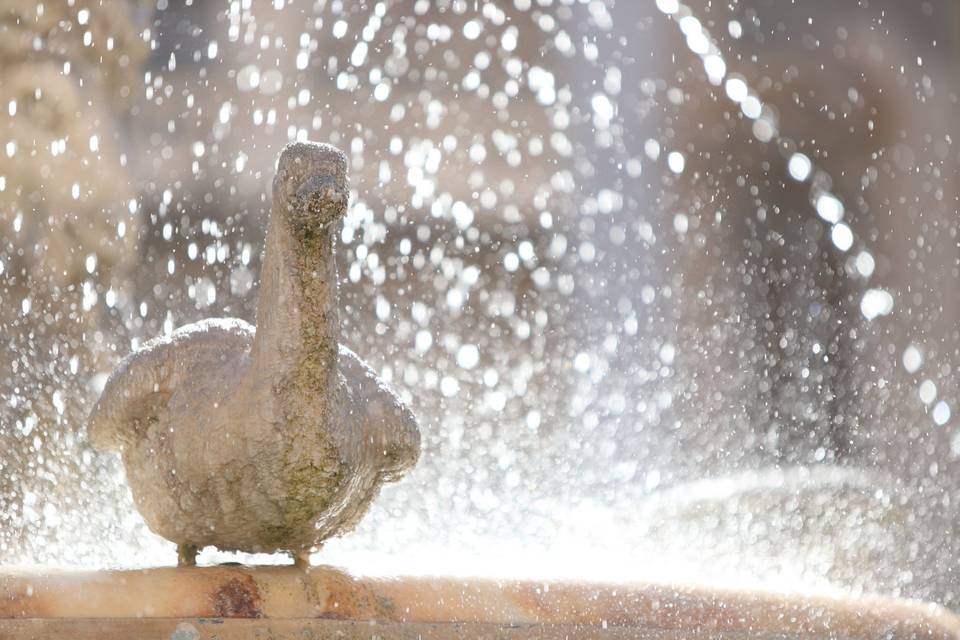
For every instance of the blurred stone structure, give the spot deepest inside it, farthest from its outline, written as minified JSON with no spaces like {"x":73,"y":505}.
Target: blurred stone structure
{"x":69,"y":72}
{"x":69,"y":75}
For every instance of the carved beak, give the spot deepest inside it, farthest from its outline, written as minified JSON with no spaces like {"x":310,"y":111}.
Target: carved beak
{"x":311,"y":185}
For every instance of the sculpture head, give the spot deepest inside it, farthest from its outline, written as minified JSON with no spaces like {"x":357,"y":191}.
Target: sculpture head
{"x":310,"y":188}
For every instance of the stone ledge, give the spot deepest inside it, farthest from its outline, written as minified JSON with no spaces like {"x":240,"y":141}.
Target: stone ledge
{"x":256,"y":602}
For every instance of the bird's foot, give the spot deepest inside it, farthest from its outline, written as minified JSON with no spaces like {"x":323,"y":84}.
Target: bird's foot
{"x":187,"y":555}
{"x":301,"y":559}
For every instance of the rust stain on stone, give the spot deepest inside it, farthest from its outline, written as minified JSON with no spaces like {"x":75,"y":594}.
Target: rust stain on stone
{"x":238,"y":598}
{"x":18,"y":604}
{"x":348,"y":599}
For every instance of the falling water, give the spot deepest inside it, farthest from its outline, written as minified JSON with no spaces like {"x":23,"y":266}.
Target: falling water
{"x":875,"y":302}
{"x":635,"y":357}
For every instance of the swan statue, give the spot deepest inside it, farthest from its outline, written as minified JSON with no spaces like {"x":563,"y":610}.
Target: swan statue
{"x":267,"y":438}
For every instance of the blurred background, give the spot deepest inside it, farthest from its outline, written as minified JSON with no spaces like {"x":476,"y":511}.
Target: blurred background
{"x":671,"y":286}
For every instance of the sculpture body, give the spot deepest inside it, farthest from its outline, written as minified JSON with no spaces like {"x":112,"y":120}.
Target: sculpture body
{"x":262,"y":439}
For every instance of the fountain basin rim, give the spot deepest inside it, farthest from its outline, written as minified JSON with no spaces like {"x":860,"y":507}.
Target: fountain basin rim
{"x":273,"y":594}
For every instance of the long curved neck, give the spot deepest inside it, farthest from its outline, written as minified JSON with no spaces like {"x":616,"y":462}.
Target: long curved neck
{"x":298,"y":326}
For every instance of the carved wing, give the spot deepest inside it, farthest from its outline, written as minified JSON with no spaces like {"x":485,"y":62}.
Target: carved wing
{"x":390,"y":428}
{"x":146,"y":378}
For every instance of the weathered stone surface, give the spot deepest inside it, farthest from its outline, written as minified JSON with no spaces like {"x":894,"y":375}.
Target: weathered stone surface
{"x":241,"y":602}
{"x":266,"y":439}
{"x":61,"y":206}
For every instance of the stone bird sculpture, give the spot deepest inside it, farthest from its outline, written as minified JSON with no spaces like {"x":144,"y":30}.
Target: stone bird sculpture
{"x":267,"y":438}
